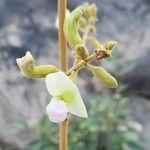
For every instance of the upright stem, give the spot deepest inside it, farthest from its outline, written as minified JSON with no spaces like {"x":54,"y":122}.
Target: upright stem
{"x":62,"y":4}
{"x":63,"y":128}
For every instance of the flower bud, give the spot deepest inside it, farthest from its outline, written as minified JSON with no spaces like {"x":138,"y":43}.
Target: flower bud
{"x":81,"y":51}
{"x":110,"y":45}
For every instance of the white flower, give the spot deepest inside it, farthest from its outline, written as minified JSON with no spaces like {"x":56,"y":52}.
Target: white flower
{"x":66,"y":98}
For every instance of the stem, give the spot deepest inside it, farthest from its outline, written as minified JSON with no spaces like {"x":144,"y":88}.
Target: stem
{"x":83,"y":63}
{"x":63,"y":135}
{"x":62,"y":4}
{"x":63,"y":128}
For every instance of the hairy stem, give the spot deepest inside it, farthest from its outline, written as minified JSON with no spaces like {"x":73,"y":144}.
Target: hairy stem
{"x":63,"y":128}
{"x":83,"y":63}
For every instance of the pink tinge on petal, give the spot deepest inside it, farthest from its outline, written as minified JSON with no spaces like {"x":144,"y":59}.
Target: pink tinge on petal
{"x":57,"y":110}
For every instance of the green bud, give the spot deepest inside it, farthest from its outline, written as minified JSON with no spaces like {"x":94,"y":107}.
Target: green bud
{"x":81,"y":51}
{"x":103,"y":76}
{"x":110,"y":45}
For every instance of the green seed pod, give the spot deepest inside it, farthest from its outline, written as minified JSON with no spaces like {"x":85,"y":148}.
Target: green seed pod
{"x":81,"y":51}
{"x":71,"y":25}
{"x":43,"y":70}
{"x":103,"y":76}
{"x":28,"y":68}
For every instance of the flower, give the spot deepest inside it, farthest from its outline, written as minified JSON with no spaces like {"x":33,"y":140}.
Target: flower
{"x":65,"y":98}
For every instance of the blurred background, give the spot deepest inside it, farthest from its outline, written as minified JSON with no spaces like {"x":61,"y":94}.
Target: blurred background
{"x":118,"y":119}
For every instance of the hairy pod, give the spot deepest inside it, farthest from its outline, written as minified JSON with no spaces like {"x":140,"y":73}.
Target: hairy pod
{"x":103,"y":76}
{"x":71,"y":25}
{"x":29,"y":69}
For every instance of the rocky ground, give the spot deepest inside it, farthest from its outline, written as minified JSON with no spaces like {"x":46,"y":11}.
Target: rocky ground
{"x":30,"y":25}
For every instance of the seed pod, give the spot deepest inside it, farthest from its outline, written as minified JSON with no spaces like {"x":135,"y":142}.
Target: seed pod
{"x":71,"y":28}
{"x":103,"y":76}
{"x":29,"y":69}
{"x":81,"y":51}
{"x":43,"y":70}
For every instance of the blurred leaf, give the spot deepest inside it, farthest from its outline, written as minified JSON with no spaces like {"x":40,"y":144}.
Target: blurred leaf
{"x":18,"y":125}
{"x":105,"y":129}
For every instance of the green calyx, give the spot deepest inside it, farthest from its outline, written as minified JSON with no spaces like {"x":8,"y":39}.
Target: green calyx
{"x":81,"y":51}
{"x":103,"y":76}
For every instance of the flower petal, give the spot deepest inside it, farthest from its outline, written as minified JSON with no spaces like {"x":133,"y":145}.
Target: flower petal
{"x":57,"y":110}
{"x":58,"y":83}
{"x":62,"y":87}
{"x":77,"y":106}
